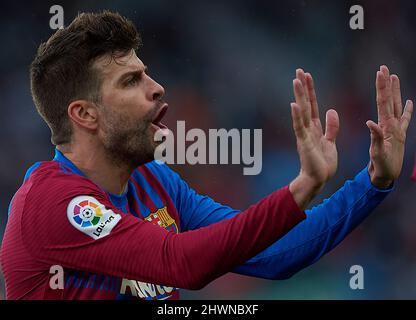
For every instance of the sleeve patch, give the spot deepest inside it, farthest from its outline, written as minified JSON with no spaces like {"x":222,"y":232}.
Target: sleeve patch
{"x":91,"y":217}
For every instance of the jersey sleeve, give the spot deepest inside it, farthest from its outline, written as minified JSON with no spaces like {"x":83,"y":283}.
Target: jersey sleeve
{"x":60,"y":227}
{"x":327,"y":224}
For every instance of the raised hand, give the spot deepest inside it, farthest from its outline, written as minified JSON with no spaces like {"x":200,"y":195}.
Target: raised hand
{"x":317,"y":151}
{"x":388,"y":136}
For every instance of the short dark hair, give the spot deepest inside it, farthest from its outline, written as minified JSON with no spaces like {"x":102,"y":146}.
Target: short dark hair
{"x":62,"y":69}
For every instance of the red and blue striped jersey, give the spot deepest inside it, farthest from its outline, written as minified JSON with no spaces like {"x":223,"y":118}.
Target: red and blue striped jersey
{"x":145,"y":243}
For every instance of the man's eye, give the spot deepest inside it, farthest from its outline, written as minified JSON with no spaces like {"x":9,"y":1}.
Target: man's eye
{"x":133,"y":81}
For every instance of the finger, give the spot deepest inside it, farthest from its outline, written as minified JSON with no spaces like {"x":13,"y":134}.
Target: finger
{"x":377,"y":138}
{"x":297,"y":121}
{"x":386,"y":73}
{"x":397,"y":96}
{"x":384,"y":109}
{"x":312,"y":96}
{"x":385,"y":70}
{"x":300,"y":97}
{"x":331,"y":125}
{"x":375,"y":128}
{"x":407,"y":115}
{"x":300,"y":74}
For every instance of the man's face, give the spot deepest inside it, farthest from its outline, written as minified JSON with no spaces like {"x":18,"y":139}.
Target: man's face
{"x":130,"y":110}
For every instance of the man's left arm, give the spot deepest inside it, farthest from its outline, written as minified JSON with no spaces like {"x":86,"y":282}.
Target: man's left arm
{"x":330,"y":222}
{"x":326,"y":225}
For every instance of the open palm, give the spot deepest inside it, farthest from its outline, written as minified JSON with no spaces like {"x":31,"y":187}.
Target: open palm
{"x":388,"y":136}
{"x":317,"y":151}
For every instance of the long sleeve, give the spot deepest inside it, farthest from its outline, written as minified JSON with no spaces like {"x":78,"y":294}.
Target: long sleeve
{"x":120,"y":245}
{"x":326,"y":225}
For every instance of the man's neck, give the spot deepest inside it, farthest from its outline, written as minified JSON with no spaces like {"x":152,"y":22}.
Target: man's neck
{"x":98,"y":168}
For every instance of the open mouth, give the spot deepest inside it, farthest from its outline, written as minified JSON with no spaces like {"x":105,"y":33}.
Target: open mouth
{"x":157,"y":122}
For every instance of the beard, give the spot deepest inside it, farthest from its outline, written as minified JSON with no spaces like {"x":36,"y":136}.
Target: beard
{"x":129,"y":142}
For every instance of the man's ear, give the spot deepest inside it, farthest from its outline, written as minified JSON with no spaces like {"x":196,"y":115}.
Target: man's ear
{"x":84,"y":113}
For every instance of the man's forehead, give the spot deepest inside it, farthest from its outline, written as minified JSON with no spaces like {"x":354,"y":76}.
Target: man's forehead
{"x":115,"y":65}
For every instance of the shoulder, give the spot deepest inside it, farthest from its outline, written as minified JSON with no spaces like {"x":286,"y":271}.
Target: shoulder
{"x":53,"y":178}
{"x":50,"y":188}
{"x":54,"y":204}
{"x":49,"y":192}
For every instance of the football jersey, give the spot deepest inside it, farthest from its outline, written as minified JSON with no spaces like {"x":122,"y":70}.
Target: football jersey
{"x":142,"y":244}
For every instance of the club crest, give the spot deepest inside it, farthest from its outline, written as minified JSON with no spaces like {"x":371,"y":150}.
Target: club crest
{"x":162,"y":219}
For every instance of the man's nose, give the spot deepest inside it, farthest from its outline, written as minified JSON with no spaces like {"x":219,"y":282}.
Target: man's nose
{"x":157,"y":91}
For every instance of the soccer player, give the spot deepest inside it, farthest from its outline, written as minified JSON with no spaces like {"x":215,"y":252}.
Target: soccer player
{"x":123,"y":226}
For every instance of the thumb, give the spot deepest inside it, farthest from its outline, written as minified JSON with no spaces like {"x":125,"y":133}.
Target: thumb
{"x":331,"y":125}
{"x":377,"y":136}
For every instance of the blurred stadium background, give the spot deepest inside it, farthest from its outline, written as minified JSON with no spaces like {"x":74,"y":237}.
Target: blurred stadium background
{"x":231,"y":64}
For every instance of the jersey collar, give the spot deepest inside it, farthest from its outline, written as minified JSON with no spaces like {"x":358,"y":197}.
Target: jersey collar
{"x":59,"y":157}
{"x":118,"y":200}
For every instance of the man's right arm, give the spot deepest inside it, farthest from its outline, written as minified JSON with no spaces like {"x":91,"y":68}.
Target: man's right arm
{"x":135,"y":249}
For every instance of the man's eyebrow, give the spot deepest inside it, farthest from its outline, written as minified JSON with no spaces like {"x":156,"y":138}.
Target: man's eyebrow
{"x":137,"y":73}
